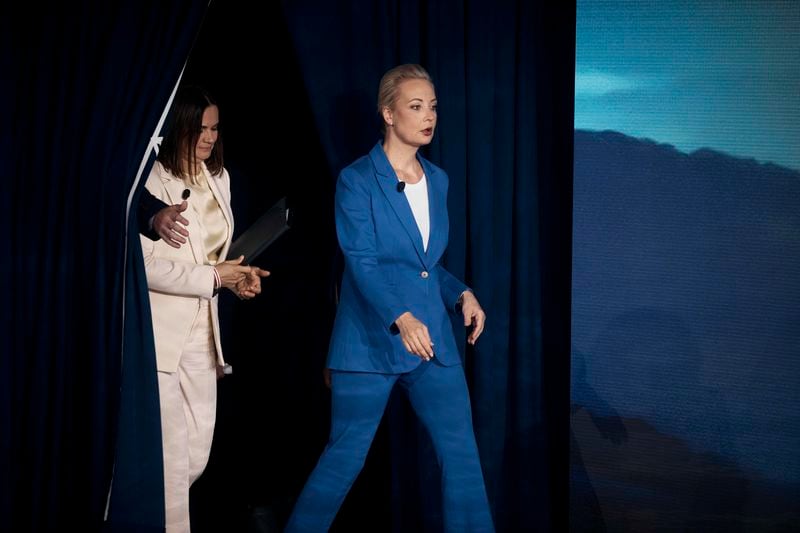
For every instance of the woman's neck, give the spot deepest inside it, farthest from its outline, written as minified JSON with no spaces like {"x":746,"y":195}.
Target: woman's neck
{"x":403,"y":159}
{"x":192,"y":170}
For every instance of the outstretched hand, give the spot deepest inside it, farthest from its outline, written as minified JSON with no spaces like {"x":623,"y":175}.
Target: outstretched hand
{"x":473,"y":315}
{"x":250,"y":286}
{"x":170,"y":224}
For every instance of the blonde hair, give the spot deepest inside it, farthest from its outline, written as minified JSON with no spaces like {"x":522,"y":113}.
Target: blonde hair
{"x":390,"y":83}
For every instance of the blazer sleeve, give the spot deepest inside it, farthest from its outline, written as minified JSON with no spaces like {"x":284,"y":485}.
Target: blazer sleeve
{"x":149,"y":205}
{"x":356,"y":232}
{"x":451,"y":287}
{"x":169,"y":273}
{"x":181,"y":278}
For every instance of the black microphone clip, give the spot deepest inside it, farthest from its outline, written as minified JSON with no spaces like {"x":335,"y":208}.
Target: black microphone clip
{"x":185,"y":194}
{"x":401,"y":185}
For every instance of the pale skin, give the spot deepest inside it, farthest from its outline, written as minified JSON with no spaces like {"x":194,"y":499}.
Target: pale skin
{"x":410,"y":122}
{"x":170,"y":224}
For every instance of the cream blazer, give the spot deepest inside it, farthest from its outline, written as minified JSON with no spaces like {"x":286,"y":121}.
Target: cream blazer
{"x":178,"y":279}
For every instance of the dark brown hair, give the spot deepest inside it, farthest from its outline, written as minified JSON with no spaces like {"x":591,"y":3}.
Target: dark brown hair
{"x":186,"y":122}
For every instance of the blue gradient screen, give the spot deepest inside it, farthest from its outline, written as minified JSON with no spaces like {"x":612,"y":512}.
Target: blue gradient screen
{"x":686,"y":267}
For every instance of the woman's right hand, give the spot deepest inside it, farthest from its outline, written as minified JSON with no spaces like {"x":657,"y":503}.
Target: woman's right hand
{"x":415,"y":336}
{"x":232,"y":272}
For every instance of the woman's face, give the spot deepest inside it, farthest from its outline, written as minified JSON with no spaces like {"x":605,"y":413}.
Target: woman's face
{"x":208,"y":133}
{"x":413,"y":116}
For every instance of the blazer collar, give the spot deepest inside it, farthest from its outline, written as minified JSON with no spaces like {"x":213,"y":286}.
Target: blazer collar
{"x":175,"y":187}
{"x":387,"y":179}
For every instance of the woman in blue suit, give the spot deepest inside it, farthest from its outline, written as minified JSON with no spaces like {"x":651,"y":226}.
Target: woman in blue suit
{"x":392,"y":325}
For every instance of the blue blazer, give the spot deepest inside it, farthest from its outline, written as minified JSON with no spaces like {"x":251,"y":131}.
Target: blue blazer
{"x":387,"y":272}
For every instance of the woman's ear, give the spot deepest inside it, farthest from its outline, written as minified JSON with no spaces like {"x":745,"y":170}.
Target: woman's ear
{"x":387,"y":116}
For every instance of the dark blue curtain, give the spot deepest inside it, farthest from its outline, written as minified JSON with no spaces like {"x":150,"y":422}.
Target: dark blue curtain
{"x":84,"y":87}
{"x":504,"y":74}
{"x":84,"y":84}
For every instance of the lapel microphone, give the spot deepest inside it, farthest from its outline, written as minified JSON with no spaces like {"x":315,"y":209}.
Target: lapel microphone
{"x":401,"y":185}
{"x":185,"y":194}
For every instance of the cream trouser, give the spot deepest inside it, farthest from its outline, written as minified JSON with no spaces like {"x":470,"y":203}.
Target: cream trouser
{"x":188,"y":412}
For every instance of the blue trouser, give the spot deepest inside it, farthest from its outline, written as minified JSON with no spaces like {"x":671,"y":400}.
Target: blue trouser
{"x":439,"y":396}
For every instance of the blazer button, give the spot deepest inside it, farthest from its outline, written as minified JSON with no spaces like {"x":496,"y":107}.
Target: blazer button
{"x":424,"y":274}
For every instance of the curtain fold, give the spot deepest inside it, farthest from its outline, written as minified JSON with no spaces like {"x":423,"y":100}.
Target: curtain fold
{"x":86,"y":82}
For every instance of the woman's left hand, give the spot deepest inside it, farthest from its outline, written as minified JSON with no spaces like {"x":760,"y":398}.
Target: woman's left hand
{"x":250,"y":286}
{"x":473,"y":315}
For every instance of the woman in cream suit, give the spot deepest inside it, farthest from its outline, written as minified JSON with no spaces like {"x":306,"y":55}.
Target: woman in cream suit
{"x":183,"y":284}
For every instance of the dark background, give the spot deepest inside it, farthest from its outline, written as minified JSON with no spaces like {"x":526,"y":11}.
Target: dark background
{"x":273,"y":410}
{"x":86,"y":84}
{"x":289,"y":135}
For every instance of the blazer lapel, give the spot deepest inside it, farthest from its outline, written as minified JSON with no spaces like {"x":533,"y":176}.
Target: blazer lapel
{"x":437,"y":211}
{"x":174,"y":188}
{"x":387,"y":180}
{"x":224,"y":205}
